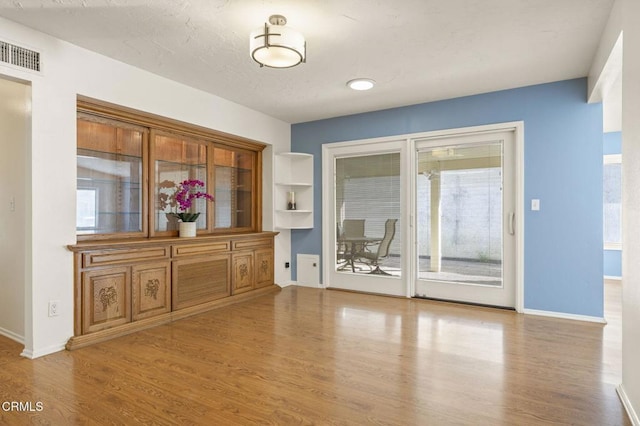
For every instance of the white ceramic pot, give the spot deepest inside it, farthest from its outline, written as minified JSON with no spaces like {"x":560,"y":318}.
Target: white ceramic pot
{"x":187,"y":229}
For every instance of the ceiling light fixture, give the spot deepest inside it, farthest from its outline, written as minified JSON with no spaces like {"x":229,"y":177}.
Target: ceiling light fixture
{"x":361,"y":83}
{"x":275,"y":46}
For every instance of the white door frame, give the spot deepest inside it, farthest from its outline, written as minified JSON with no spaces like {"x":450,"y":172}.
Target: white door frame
{"x":408,"y":221}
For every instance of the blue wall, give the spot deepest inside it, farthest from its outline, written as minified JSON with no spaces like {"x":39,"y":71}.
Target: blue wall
{"x":612,"y":143}
{"x":563,"y":168}
{"x":612,"y":259}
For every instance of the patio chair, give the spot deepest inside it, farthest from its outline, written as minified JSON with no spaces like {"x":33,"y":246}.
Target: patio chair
{"x":374,"y":253}
{"x":351,"y":228}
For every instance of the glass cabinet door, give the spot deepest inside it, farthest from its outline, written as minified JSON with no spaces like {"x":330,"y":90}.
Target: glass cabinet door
{"x":109,"y":175}
{"x":177,"y":159}
{"x":234,"y":188}
{"x":130,"y":164}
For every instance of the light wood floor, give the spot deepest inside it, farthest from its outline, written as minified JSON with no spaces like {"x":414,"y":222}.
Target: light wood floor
{"x":306,"y":356}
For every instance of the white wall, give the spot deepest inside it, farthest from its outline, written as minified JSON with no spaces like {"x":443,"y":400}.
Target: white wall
{"x":15,"y":121}
{"x":624,"y":20}
{"x":67,"y":71}
{"x":603,"y":70}
{"x":631,"y":206}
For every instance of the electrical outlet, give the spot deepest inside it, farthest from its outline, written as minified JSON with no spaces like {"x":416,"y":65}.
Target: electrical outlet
{"x":54,"y":306}
{"x":286,"y":264}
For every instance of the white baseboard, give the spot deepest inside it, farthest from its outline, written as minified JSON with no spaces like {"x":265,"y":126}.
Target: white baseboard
{"x":563,"y":315}
{"x":11,"y":335}
{"x":287,"y":284}
{"x":633,"y":416}
{"x":612,"y":278}
{"x":308,"y":285}
{"x":28,"y":353}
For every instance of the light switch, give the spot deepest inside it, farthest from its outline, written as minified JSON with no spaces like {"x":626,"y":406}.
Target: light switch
{"x":535,"y":204}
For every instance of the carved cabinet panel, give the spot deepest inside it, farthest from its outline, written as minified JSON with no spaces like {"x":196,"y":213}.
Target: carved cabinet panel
{"x":151,"y":289}
{"x":106,"y":298}
{"x":264,"y":267}
{"x":243,"y":272}
{"x":201,"y":279}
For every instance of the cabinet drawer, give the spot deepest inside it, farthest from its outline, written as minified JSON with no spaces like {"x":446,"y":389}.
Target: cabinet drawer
{"x":252,"y":244}
{"x":200,"y":249}
{"x":110,"y":257}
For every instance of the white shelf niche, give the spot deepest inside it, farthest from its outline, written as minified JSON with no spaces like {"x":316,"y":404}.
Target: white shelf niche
{"x":294,"y":173}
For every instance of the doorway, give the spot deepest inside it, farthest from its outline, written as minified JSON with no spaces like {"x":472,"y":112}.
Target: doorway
{"x":15,"y":121}
{"x":427,"y":215}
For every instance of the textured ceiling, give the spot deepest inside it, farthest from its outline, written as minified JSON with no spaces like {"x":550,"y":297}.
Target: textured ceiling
{"x":416,"y":50}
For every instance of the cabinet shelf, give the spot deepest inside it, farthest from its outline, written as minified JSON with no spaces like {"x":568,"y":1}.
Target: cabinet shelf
{"x":294,"y":211}
{"x":89,"y":180}
{"x":294,"y":184}
{"x":92,"y":154}
{"x":130,"y":213}
{"x":294,"y":173}
{"x":181,"y":164}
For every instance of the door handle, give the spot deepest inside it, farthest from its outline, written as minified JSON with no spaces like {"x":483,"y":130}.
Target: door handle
{"x":512,"y":218}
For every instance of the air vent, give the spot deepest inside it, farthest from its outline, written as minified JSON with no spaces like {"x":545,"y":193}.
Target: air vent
{"x":19,"y":56}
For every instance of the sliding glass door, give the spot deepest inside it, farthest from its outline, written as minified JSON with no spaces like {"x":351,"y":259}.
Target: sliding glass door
{"x":431,"y":215}
{"x":465,"y":212}
{"x":367,"y":247}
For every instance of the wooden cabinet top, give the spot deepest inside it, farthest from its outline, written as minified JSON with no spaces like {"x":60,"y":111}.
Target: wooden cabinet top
{"x":145,"y":242}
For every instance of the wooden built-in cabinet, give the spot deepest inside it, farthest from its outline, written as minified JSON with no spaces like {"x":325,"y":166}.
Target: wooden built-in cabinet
{"x":132,"y":271}
{"x":130,"y":285}
{"x":129,"y":164}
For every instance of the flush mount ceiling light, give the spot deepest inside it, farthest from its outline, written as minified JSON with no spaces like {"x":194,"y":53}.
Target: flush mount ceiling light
{"x":361,"y":84}
{"x":276,"y":46}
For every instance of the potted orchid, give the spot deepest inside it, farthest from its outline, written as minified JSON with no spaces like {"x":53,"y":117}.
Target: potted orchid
{"x":186,"y":193}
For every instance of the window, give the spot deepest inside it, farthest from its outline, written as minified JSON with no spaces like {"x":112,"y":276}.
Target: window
{"x":86,"y":209}
{"x":612,"y":201}
{"x":367,"y":191}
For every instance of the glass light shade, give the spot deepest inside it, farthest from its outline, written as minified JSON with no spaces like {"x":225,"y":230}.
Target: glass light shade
{"x":276,"y":46}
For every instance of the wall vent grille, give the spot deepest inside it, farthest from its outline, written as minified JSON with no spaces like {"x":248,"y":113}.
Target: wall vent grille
{"x":19,"y":56}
